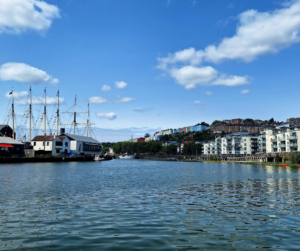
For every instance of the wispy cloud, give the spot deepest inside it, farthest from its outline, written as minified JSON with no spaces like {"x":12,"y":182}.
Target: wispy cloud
{"x":110,"y":115}
{"x":101,"y":100}
{"x":105,"y":88}
{"x":209,"y":93}
{"x":143,"y":110}
{"x":245,"y":91}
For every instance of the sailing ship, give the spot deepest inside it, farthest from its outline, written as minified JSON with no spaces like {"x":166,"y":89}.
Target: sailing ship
{"x":44,"y":121}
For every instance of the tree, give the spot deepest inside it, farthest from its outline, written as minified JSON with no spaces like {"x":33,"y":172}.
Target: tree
{"x":105,"y":150}
{"x":215,"y":122}
{"x":271,"y":121}
{"x":250,"y":121}
{"x":196,"y":149}
{"x":277,"y":158}
{"x":295,"y":158}
{"x":147,"y":135}
{"x":171,"y":149}
{"x":205,"y":124}
{"x":187,"y":148}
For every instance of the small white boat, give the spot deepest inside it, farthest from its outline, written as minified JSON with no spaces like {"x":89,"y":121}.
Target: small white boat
{"x":127,"y":157}
{"x":97,"y":157}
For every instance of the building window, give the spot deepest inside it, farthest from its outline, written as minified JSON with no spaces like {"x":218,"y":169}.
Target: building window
{"x":245,"y":148}
{"x":244,"y":139}
{"x":47,"y":143}
{"x":44,"y":143}
{"x":34,"y":143}
{"x":57,"y":151}
{"x":66,"y":144}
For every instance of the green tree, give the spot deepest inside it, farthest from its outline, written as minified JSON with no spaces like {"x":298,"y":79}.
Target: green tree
{"x":170,"y":149}
{"x":249,"y":121}
{"x":277,"y":158}
{"x":295,"y":158}
{"x":147,"y":135}
{"x":187,"y":148}
{"x":105,"y":150}
{"x":215,"y":122}
{"x":196,"y":149}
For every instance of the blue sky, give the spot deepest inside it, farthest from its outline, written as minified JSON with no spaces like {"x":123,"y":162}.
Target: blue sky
{"x":153,"y":64}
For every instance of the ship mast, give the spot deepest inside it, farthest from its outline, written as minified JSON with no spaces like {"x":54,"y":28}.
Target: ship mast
{"x":74,"y":123}
{"x":13,"y":113}
{"x":88,"y":120}
{"x":45,"y":113}
{"x":57,"y":112}
{"x":30,"y":114}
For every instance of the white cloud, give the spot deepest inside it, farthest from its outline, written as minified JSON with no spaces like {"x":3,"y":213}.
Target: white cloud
{"x":22,"y":98}
{"x":143,"y":110}
{"x":257,"y":34}
{"x":232,"y":80}
{"x":110,"y":115}
{"x":189,"y":76}
{"x":18,"y":16}
{"x":55,"y":81}
{"x":118,"y":99}
{"x":105,"y":88}
{"x":25,"y":73}
{"x":97,"y":100}
{"x":124,"y":100}
{"x":245,"y":91}
{"x":209,"y":93}
{"x":121,"y":84}
{"x":197,"y":102}
{"x":188,"y":56}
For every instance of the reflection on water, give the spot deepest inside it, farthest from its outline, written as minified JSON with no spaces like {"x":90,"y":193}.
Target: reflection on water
{"x":137,"y":204}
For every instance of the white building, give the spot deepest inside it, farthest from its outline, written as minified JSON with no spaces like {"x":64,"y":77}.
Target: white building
{"x":42,"y":144}
{"x":282,"y":139}
{"x":235,"y":143}
{"x":66,"y":144}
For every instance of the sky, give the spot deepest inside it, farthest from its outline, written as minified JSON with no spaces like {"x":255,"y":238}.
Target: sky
{"x":147,"y":65}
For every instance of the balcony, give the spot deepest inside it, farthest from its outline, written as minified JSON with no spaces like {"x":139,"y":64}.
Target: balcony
{"x":274,"y":146}
{"x":273,"y":140}
{"x":282,"y":145}
{"x":253,"y":141}
{"x":263,"y":142}
{"x":292,"y":144}
{"x":292,"y":137}
{"x":262,"y":147}
{"x":281,"y":139}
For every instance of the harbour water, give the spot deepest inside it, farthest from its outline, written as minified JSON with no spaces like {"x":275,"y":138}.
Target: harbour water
{"x":148,"y":205}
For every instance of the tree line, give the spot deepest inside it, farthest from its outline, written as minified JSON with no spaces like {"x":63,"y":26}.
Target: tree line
{"x":154,"y":147}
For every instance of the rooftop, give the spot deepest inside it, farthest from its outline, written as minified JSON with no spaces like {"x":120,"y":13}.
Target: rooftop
{"x":8,"y":140}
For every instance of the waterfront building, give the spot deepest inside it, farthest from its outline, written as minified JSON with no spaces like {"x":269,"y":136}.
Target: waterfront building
{"x":83,"y":145}
{"x":235,"y":143}
{"x":42,"y":144}
{"x":282,"y":139}
{"x":10,"y":147}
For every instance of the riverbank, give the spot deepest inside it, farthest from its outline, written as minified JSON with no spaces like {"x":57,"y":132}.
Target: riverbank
{"x":47,"y":159}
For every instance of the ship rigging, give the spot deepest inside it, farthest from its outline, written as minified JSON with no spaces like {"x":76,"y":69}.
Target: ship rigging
{"x":51,"y":121}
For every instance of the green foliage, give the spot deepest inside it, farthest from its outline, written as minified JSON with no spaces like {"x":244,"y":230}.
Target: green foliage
{"x":171,"y":149}
{"x":214,"y":158}
{"x":205,"y":135}
{"x":249,"y":121}
{"x":137,"y":147}
{"x":166,"y":138}
{"x":105,"y":150}
{"x":295,"y":158}
{"x":285,"y":158}
{"x":147,"y":135}
{"x":277,"y":158}
{"x":108,"y":144}
{"x":215,"y":122}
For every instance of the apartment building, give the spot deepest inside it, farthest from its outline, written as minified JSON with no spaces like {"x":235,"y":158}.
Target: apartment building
{"x":293,"y":121}
{"x":282,"y":139}
{"x":235,"y":143}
